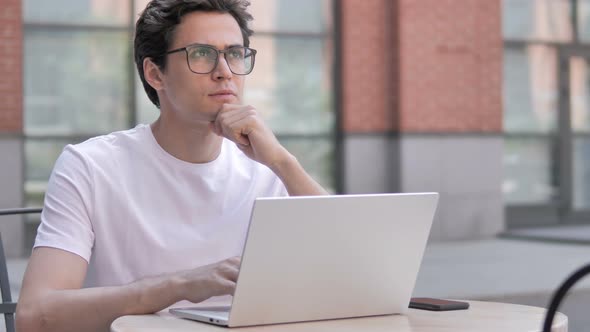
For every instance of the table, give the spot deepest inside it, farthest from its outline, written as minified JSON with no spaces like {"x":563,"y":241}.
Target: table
{"x":481,"y":316}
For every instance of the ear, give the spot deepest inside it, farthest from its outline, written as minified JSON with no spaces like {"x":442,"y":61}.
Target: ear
{"x":152,"y":74}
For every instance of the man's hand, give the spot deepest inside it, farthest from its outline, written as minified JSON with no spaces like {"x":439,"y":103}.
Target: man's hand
{"x":210,"y":280}
{"x":53,"y":299}
{"x":242,"y":125}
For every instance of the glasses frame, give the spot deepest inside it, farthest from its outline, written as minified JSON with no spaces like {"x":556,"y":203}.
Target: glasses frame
{"x":185,"y":49}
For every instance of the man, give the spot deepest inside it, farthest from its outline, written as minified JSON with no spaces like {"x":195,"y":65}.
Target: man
{"x":138,"y":220}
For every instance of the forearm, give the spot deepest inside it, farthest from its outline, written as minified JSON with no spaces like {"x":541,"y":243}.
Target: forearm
{"x":295,"y":178}
{"x":94,"y":309}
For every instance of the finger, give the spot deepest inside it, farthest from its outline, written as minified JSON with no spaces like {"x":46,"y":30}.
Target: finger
{"x":237,"y":127}
{"x":228,"y":112}
{"x":228,"y":270}
{"x":226,"y":108}
{"x":233,"y":274}
{"x":227,"y":273}
{"x":245,"y":125}
{"x":227,"y":287}
{"x":235,"y":115}
{"x":236,"y":260}
{"x":222,"y":117}
{"x":241,"y":126}
{"x":230,"y":118}
{"x":229,"y":107}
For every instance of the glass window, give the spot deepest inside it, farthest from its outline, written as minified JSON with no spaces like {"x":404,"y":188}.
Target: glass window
{"x":272,"y":16}
{"x":139,"y":7}
{"x":529,"y":175}
{"x":147,"y":112}
{"x":581,"y":173}
{"x":96,"y":12}
{"x":584,"y":20}
{"x":530,"y":89}
{"x":304,"y":16}
{"x":40,"y":157}
{"x":291,"y":84}
{"x":547,"y":20}
{"x":75,"y":82}
{"x":579,"y":90}
{"x":316,"y":155}
{"x":78,"y":81}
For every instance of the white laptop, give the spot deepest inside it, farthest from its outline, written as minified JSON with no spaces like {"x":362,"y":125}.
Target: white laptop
{"x":326,"y":257}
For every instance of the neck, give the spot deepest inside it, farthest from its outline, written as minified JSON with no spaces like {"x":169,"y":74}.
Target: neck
{"x":190,"y":142}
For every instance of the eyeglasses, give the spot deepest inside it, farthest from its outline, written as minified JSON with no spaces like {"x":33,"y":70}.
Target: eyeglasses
{"x":202,"y":59}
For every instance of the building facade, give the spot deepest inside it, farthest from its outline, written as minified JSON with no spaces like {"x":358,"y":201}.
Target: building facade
{"x":372,"y":96}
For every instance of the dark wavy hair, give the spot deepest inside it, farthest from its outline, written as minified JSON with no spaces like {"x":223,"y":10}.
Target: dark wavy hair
{"x":155,"y":28}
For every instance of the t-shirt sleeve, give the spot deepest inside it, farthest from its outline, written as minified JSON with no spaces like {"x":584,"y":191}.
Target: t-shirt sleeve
{"x":67,"y":210}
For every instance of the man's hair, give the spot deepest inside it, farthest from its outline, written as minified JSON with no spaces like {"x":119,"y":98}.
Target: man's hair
{"x":155,"y":27}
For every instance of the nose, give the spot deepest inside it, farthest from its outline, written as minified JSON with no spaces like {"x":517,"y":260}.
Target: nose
{"x":222,"y":70}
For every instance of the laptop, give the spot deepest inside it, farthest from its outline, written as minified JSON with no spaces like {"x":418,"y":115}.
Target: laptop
{"x":326,"y":257}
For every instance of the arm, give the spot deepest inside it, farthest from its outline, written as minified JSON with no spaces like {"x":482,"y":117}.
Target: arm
{"x":242,"y":125}
{"x":52,"y":298}
{"x":295,"y":178}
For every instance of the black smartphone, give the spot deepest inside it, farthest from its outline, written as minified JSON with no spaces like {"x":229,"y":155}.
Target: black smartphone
{"x":426,"y":303}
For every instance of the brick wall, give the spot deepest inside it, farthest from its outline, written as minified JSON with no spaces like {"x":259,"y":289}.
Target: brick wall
{"x":431,"y":66}
{"x":451,"y":66}
{"x":11,"y":72}
{"x":366,"y":42}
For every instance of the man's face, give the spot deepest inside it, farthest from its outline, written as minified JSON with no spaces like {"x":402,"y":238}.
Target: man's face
{"x":198,"y":97}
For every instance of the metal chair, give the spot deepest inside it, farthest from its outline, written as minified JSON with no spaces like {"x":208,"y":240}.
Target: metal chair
{"x":7,"y":307}
{"x":561,"y":293}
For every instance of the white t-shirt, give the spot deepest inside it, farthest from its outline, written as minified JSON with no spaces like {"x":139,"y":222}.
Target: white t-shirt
{"x":132,"y":210}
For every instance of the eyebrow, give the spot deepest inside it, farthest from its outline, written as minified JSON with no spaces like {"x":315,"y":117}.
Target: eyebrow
{"x":229,"y":46}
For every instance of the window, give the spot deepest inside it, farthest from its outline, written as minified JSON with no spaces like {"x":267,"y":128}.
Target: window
{"x":546,"y":20}
{"x":546,"y":119}
{"x":291,"y":85}
{"x":80,"y":79}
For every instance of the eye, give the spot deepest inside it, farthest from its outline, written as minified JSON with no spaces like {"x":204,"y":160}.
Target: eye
{"x":201,"y":52}
{"x":236,"y":53}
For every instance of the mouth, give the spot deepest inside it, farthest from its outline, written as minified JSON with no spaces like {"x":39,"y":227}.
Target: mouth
{"x":223,"y":94}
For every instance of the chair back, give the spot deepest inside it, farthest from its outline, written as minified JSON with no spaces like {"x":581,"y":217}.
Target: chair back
{"x":7,"y":307}
{"x":561,"y":293}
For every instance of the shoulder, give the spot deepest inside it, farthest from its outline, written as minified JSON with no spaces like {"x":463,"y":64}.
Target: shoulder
{"x":106,"y":147}
{"x":113,"y":141}
{"x":101,"y":152}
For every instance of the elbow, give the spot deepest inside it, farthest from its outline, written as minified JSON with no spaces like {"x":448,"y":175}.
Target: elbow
{"x":30,"y":318}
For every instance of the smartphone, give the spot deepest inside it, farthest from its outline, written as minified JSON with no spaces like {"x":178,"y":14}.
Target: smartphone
{"x":426,"y":303}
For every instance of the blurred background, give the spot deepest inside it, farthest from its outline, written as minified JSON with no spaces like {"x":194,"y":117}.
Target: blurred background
{"x":486,"y":102}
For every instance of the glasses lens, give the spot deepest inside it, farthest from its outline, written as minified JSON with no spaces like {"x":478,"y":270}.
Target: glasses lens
{"x":201,"y":59}
{"x":240,"y":60}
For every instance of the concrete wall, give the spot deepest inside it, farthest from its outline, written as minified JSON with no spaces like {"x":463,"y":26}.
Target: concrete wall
{"x":466,"y":170}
